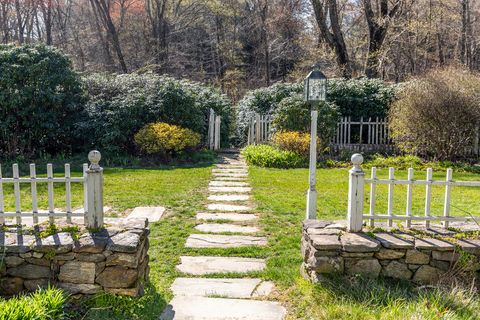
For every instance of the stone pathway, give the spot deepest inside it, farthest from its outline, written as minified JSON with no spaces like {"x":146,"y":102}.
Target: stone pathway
{"x":229,"y":222}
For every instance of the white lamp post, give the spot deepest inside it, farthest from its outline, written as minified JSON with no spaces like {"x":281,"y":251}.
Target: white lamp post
{"x":315,"y":92}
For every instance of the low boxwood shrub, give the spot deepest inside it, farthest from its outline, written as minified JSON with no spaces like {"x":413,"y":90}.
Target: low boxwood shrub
{"x":162,"y":138}
{"x":273,"y":157}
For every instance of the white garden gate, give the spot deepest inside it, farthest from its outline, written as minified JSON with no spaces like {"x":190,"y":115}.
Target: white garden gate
{"x":214,"y":125}
{"x":92,"y":180}
{"x":259,"y":129}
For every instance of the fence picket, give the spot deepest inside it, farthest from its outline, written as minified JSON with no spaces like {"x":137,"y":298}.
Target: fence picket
{"x":33,"y":187}
{"x":428,"y":196}
{"x":391,"y":177}
{"x":409,"y":196}
{"x":51,"y":206}
{"x":68,"y":196}
{"x":16,"y":191}
{"x":446,"y":207}
{"x":372,"y":196}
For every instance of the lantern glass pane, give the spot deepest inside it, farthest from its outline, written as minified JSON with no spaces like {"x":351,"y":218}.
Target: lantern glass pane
{"x":317,"y":88}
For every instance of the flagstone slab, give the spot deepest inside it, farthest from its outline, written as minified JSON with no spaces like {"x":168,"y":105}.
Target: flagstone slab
{"x":238,"y":165}
{"x":229,"y":197}
{"x":232,"y":170}
{"x":230,"y":174}
{"x":200,"y":308}
{"x":230,"y":178}
{"x":228,"y":184}
{"x":237,"y":217}
{"x":223,"y":241}
{"x":225,"y":227}
{"x":230,"y":189}
{"x":228,"y":288}
{"x":228,"y":207}
{"x":203,"y":265}
{"x":153,"y":214}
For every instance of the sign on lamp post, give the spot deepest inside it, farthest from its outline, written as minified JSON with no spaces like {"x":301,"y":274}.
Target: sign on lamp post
{"x":315,"y":93}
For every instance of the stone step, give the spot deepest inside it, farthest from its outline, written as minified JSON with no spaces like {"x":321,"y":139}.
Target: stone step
{"x":230,"y":189}
{"x":228,"y":207}
{"x":230,"y":175}
{"x":204,"y":265}
{"x":225,"y":227}
{"x":238,"y":165}
{"x":228,"y":184}
{"x":208,"y":216}
{"x":229,"y":288}
{"x":200,"y":308}
{"x":223,"y":241}
{"x":233,"y":170}
{"x":231,"y":178}
{"x":229,"y":197}
{"x":153,"y":214}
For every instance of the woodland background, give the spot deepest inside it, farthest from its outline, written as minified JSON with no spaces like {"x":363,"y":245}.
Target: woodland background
{"x":240,"y":45}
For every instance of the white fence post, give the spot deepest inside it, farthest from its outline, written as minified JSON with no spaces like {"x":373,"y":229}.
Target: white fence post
{"x":94,"y":176}
{"x":218,"y":121}
{"x":355,"y":194}
{"x":312,"y":190}
{"x":211,"y":129}
{"x":2,"y":206}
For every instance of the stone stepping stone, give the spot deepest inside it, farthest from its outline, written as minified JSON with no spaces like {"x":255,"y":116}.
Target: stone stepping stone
{"x":230,"y":175}
{"x":153,"y":214}
{"x":229,"y":197}
{"x":231,"y":178}
{"x":203,"y":265}
{"x":230,"y":288}
{"x":228,"y":207}
{"x":237,"y":217}
{"x":230,"y":189}
{"x":224,"y":227}
{"x":233,"y":170}
{"x":223,"y":241}
{"x":200,"y":308}
{"x":232,"y":166}
{"x":228,"y":184}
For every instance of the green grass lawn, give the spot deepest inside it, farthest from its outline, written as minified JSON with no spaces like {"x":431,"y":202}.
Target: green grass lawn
{"x":280,"y":195}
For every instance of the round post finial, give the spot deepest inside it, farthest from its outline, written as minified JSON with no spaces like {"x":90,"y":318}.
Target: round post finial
{"x":357,"y":160}
{"x":94,"y":157}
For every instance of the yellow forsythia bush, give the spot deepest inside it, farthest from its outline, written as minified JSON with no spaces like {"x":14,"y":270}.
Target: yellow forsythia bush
{"x":295,"y":141}
{"x":162,"y":138}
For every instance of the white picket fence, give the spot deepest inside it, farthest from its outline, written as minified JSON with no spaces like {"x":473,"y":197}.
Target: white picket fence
{"x":366,"y":134}
{"x":214,"y":124}
{"x":92,"y":181}
{"x":259,"y":129}
{"x":357,"y":182}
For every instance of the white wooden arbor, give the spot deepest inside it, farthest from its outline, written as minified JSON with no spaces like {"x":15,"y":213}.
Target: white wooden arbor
{"x":92,"y":180}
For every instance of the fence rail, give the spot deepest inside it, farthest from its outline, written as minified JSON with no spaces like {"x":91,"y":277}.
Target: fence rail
{"x":92,"y":181}
{"x":357,"y":182}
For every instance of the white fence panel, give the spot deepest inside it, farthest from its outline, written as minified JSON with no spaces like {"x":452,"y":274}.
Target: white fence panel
{"x":355,"y":206}
{"x":92,"y":181}
{"x":259,"y":129}
{"x":214,"y":125}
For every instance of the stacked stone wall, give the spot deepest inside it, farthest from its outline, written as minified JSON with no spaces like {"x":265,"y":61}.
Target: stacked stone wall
{"x":328,"y":249}
{"x":113,"y":260}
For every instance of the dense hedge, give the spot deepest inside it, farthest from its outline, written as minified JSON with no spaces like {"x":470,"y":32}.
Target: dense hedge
{"x":40,"y":101}
{"x":354,"y":97}
{"x":120,"y":105}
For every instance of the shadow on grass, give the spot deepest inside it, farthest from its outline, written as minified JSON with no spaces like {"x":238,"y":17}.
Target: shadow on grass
{"x":383,"y":293}
{"x":107,"y":306}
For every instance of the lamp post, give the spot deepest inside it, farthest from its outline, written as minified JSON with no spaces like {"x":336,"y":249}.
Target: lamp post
{"x":315,"y":93}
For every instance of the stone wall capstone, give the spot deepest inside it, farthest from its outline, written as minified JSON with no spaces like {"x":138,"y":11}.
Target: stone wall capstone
{"x":113,"y":260}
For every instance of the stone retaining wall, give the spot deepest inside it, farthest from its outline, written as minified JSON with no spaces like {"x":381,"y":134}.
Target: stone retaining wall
{"x":113,"y":260}
{"x":327,"y":249}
